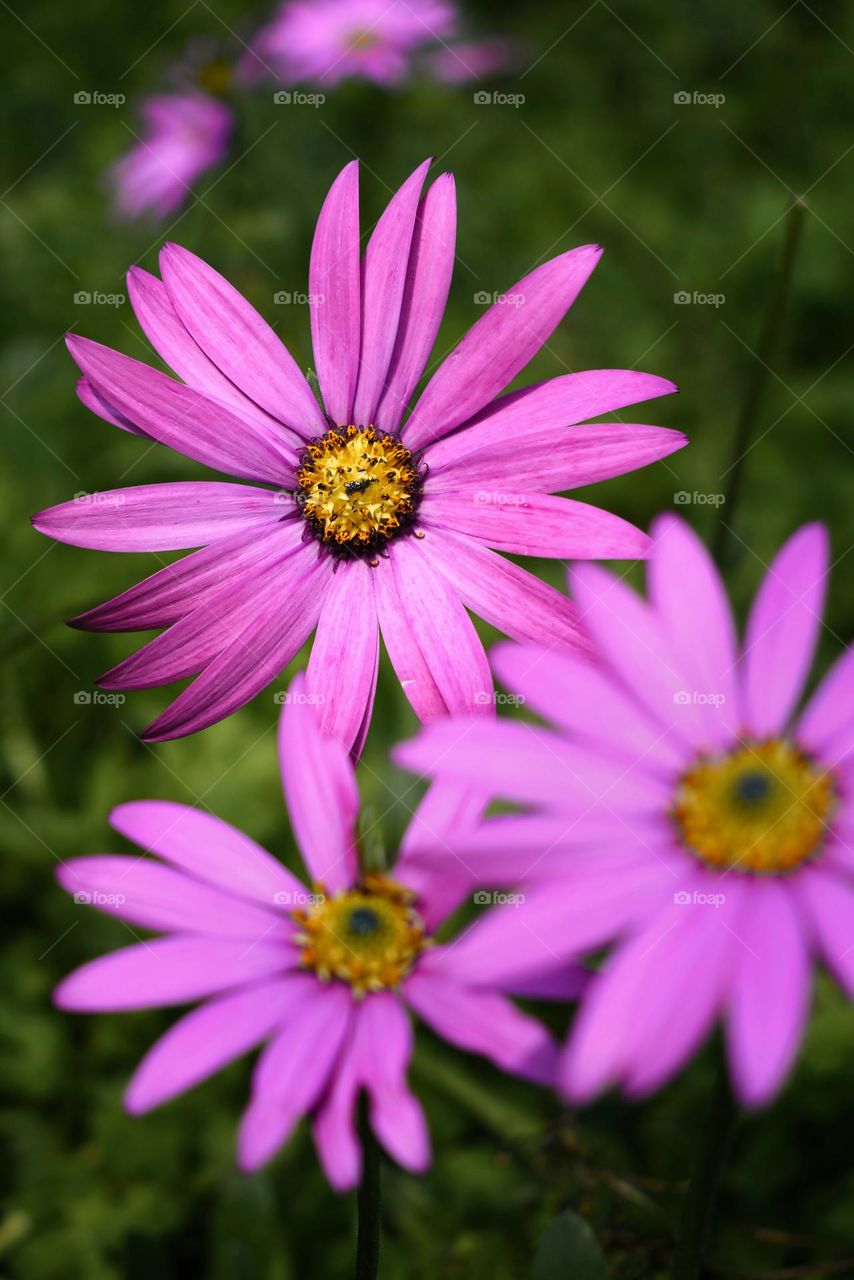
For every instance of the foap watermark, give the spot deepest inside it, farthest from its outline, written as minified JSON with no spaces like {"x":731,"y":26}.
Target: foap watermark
{"x":297,"y":98}
{"x":696,"y":899}
{"x":85,"y":499}
{"x":284,"y":298}
{"x":686,"y":298}
{"x":698,"y":698}
{"x":487,"y":898}
{"x":99,"y":899}
{"x":483,"y":298}
{"x":682,"y":498}
{"x":98,"y":698}
{"x":95,"y":98}
{"x":498,"y":498}
{"x":493,"y":698}
{"x":297,"y":898}
{"x":697,"y":98}
{"x":288,"y":698}
{"x":483,"y":98}
{"x":83,"y":298}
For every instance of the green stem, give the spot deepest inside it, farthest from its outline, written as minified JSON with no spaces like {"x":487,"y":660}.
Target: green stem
{"x":368,"y":1202}
{"x":701,"y":1196}
{"x":766,"y":347}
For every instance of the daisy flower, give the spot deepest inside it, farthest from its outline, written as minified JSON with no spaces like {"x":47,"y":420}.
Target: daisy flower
{"x":323,"y":975}
{"x":702,"y":824}
{"x":348,"y":521}
{"x":327,"y":41}
{"x":185,"y":134}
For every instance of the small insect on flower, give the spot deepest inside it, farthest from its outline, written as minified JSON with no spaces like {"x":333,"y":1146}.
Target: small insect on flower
{"x":702,"y":825}
{"x":323,"y":977}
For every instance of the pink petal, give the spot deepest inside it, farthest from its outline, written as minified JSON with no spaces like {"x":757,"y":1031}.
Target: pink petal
{"x":157,"y":897}
{"x":826,"y":728}
{"x":181,"y":418}
{"x":206,"y":847}
{"x":342,"y":667}
{"x":159,"y":517}
{"x":87,"y":395}
{"x":293,"y":1070}
{"x":507,"y":597}
{"x":238,"y":341}
{"x":428,"y":281}
{"x":577,"y":695}
{"x":320,"y":791}
{"x":499,"y":345}
{"x":534,"y":525}
{"x":383,"y":278}
{"x":446,"y":810}
{"x":383,"y":1043}
{"x":688,"y":595}
{"x":172,"y":342}
{"x":829,"y":903}
{"x":168,"y":971}
{"x":783,"y":628}
{"x":204,"y":1041}
{"x":335,"y":294}
{"x":483,"y":1022}
{"x":415,"y":676}
{"x":274,"y":630}
{"x":770,"y":993}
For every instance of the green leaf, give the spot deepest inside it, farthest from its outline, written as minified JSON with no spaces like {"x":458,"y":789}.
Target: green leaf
{"x":569,"y":1251}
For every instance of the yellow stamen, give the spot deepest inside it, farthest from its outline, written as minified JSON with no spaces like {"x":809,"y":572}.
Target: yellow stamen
{"x":762,"y":808}
{"x":368,"y":937}
{"x":357,"y":489}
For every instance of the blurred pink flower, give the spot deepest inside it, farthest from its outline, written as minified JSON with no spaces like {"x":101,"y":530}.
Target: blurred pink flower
{"x":703,"y":828}
{"x":470,"y":60}
{"x":322,"y":975}
{"x":352,"y":522}
{"x":326,"y":41}
{"x":185,"y":134}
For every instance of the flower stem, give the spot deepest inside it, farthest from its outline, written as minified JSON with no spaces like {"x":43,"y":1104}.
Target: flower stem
{"x":702,"y":1191}
{"x":368,"y":1202}
{"x":766,"y":347}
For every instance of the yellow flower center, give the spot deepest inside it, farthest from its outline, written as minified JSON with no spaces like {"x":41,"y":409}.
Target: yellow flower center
{"x":762,"y":808}
{"x":369,"y":937}
{"x":357,"y":488}
{"x":215,"y":77}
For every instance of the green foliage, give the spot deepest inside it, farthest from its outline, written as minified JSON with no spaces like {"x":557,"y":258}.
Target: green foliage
{"x":684,"y":197}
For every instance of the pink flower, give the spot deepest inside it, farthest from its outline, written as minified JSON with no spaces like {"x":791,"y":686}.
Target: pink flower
{"x":350,"y":522}
{"x":326,"y":41}
{"x":470,"y":60}
{"x":323,"y":977}
{"x":185,"y":134}
{"x":684,"y":812}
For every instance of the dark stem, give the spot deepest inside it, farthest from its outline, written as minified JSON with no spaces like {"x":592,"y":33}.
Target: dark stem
{"x":368,"y":1202}
{"x":714,"y":1143}
{"x":766,"y":347}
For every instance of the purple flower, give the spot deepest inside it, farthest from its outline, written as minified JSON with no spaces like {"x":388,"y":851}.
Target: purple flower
{"x":350,"y":522}
{"x":326,"y":41}
{"x":185,"y":134}
{"x":323,"y":976}
{"x":685,"y":813}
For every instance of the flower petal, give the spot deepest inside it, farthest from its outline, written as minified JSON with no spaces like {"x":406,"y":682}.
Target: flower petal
{"x":159,"y":517}
{"x":428,"y":281}
{"x":499,"y":345}
{"x":783,"y":628}
{"x":204,"y":1041}
{"x":320,"y":791}
{"x":829,"y":903}
{"x":177,"y":416}
{"x":335,"y":294}
{"x":238,"y":341}
{"x":534,"y":524}
{"x":826,"y":727}
{"x":87,"y":395}
{"x":342,"y":667}
{"x":384,"y":274}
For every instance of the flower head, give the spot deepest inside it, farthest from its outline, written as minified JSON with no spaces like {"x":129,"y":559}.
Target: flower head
{"x":185,"y":134}
{"x":690,"y":818}
{"x":323,"y":975}
{"x":351,"y":517}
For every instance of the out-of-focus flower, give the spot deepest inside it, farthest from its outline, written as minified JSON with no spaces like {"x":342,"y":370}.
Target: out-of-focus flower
{"x":470,"y":60}
{"x":326,"y":41}
{"x":351,"y":522}
{"x":185,"y":134}
{"x":322,"y":975}
{"x":711,"y":824}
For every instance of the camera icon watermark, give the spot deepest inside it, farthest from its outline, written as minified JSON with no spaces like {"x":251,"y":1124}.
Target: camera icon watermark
{"x":297,"y":98}
{"x":483,"y":98}
{"x":684,"y":298}
{"x":285,"y":298}
{"x":494,"y":698}
{"x":297,"y":898}
{"x":83,"y":298}
{"x":698,"y":698}
{"x":696,"y":899}
{"x":98,"y":698}
{"x":487,"y":898}
{"x":287,"y":698}
{"x":696,"y":98}
{"x":682,"y":498}
{"x":95,"y":98}
{"x":99,"y":899}
{"x":483,"y":298}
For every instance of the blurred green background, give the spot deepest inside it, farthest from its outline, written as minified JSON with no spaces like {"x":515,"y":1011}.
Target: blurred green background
{"x":687,"y":197}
